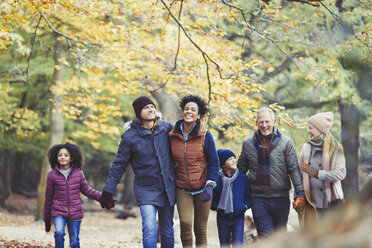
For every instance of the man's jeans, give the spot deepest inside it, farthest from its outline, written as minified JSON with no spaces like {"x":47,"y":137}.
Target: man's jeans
{"x":73,"y":227}
{"x":269,"y":214}
{"x":230,"y":232}
{"x":149,"y":226}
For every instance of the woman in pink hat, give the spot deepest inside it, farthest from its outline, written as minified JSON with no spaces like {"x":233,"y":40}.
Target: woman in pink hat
{"x":323,"y":168}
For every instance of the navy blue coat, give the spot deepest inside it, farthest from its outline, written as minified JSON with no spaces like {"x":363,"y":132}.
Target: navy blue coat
{"x":241,"y":197}
{"x":150,"y":157}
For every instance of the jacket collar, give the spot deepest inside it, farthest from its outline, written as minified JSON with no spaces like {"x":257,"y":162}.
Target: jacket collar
{"x":194,"y":131}
{"x":273,"y":135}
{"x":57,"y":168}
{"x":143,"y":131}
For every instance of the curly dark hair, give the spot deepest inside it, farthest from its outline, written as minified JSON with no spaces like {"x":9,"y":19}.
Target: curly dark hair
{"x":202,"y":105}
{"x":77,"y":156}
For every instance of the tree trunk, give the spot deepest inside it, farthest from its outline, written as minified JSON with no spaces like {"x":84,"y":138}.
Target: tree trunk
{"x":4,"y":181}
{"x":167,"y":105}
{"x":56,"y":118}
{"x":350,"y":120}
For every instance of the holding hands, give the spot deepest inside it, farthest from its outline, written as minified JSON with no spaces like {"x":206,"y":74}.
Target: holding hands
{"x":107,"y":201}
{"x":309,"y":170}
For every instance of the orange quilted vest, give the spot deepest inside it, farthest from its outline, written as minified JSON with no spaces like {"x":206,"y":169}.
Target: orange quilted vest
{"x":190,"y":162}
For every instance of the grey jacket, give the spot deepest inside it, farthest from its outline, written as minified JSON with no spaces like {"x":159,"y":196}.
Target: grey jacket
{"x":283,"y":167}
{"x":318,"y":192}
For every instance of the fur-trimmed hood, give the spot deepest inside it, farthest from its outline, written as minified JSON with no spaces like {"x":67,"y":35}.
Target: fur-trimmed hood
{"x":127,"y":125}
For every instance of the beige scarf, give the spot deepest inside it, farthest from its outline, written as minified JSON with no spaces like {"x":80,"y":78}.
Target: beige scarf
{"x":332,"y":158}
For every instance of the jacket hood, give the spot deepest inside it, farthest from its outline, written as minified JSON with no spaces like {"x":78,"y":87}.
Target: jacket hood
{"x":127,"y":125}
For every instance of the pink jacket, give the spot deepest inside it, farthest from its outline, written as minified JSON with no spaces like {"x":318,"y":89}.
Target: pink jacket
{"x":62,"y":197}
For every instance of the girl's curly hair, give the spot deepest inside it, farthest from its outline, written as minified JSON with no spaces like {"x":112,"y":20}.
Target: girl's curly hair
{"x":202,"y":105}
{"x":77,"y":158}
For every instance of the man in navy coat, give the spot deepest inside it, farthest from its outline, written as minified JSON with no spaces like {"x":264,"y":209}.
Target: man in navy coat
{"x":145,"y":145}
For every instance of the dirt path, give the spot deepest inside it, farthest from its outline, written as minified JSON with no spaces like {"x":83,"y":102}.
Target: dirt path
{"x":99,"y":228}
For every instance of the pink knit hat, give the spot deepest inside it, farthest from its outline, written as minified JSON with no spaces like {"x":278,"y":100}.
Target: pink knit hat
{"x":322,"y":121}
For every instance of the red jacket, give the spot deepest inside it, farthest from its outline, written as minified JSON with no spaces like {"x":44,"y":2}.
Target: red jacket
{"x":62,"y":197}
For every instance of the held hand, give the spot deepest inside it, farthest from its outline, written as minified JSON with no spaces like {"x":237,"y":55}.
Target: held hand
{"x":299,"y":204}
{"x":207,"y":193}
{"x":107,"y":201}
{"x":109,"y":205}
{"x":309,"y":170}
{"x":47,"y":225}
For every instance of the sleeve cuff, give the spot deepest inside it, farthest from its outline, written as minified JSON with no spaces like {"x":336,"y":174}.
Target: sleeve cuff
{"x":322,"y":175}
{"x":210,"y":182}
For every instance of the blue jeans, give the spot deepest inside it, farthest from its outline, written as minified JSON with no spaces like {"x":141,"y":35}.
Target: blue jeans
{"x":149,"y":226}
{"x":73,"y":227}
{"x":270,"y":214}
{"x":230,"y":232}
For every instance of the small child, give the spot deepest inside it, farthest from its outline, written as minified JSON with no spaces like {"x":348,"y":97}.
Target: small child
{"x":62,"y":194}
{"x":231,"y":198}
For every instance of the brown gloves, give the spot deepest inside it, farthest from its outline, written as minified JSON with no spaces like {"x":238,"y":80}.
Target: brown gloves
{"x":309,"y":170}
{"x":299,"y":204}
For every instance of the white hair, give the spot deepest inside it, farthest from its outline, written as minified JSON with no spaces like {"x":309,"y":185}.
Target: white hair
{"x":266,"y":109}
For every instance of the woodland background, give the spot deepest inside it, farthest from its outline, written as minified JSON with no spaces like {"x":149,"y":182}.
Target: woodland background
{"x":70,"y":69}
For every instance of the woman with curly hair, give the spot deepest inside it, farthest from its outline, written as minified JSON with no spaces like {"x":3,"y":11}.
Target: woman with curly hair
{"x":197,"y":165}
{"x":62,"y":194}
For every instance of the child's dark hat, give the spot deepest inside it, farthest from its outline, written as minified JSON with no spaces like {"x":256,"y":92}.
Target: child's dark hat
{"x":223,"y":155}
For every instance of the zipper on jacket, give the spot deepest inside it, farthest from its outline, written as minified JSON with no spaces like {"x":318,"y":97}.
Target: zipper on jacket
{"x":201,"y":166}
{"x":68,"y":195}
{"x":186,"y":167}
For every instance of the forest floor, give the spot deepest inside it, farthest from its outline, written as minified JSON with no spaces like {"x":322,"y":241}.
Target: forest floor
{"x":99,"y":228}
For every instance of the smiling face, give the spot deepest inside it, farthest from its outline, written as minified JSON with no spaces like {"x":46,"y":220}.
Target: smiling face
{"x":64,"y":158}
{"x":265,"y":123}
{"x":230,"y":164}
{"x":190,"y":112}
{"x":313,"y":132}
{"x":148,"y":113}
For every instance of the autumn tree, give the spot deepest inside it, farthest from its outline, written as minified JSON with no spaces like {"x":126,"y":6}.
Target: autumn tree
{"x":237,"y":55}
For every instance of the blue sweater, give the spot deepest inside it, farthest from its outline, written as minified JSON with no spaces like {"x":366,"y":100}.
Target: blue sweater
{"x":241,"y":197}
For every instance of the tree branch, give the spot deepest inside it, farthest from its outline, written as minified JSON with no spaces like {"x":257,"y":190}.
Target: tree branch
{"x":340,"y":21}
{"x":306,"y":2}
{"x":209,"y":80}
{"x":32,"y":48}
{"x":302,"y":104}
{"x":284,"y":65}
{"x":178,"y":38}
{"x":193,"y":42}
{"x":56,"y":31}
{"x":258,"y":32}
{"x":234,"y":108}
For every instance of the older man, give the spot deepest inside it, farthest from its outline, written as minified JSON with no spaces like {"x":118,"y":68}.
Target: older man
{"x":271,"y":162}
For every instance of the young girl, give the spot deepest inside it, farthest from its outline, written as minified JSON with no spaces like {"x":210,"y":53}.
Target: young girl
{"x":62,"y":194}
{"x":231,"y":198}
